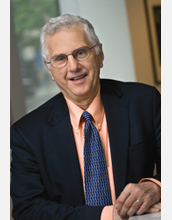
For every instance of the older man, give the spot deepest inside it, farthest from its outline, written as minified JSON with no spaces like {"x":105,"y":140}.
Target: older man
{"x":89,"y":152}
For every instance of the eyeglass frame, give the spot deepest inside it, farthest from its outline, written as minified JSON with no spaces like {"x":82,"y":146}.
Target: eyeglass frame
{"x":90,"y":48}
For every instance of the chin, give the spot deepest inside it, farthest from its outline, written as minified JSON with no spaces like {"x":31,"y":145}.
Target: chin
{"x":82,"y":91}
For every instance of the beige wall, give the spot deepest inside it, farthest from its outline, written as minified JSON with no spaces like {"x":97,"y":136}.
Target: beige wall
{"x":140,"y":42}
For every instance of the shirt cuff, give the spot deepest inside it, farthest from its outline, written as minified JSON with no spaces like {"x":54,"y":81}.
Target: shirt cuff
{"x":151,"y":179}
{"x":107,"y":213}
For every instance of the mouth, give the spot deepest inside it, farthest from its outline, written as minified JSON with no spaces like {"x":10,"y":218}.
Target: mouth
{"x":78,"y":77}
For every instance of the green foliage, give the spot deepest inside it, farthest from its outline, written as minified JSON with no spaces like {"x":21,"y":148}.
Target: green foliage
{"x":30,"y":16}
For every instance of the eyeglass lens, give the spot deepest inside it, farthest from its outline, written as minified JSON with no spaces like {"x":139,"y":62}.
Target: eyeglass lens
{"x":79,"y":54}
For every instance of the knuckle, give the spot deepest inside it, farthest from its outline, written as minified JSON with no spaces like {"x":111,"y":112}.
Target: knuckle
{"x":149,"y":198}
{"x":127,"y":205}
{"x":120,"y":201}
{"x":138,"y":190}
{"x":131,"y":185}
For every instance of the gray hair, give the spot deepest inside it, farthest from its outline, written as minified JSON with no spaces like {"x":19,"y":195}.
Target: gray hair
{"x":56,"y":24}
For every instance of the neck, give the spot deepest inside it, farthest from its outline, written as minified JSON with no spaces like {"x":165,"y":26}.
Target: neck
{"x":83,"y":102}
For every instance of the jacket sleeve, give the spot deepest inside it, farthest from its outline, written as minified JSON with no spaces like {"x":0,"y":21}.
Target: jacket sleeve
{"x":157,"y":129}
{"x":145,"y":136}
{"x":30,"y":200}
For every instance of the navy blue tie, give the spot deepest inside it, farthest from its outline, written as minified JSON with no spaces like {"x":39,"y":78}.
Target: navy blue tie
{"x":97,"y":189}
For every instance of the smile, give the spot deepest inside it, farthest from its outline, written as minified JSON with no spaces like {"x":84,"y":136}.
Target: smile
{"x":78,"y":77}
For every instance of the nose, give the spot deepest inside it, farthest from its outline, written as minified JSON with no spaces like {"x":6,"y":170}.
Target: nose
{"x":72,"y":63}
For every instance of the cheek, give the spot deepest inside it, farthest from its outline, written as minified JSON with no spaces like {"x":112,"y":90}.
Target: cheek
{"x":61,"y":81}
{"x":57,"y":76}
{"x":96,"y":69}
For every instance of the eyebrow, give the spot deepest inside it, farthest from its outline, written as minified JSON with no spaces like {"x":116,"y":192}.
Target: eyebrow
{"x":69,"y":53}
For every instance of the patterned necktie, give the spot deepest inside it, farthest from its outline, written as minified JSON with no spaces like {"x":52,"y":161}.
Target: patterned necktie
{"x":97,"y":189}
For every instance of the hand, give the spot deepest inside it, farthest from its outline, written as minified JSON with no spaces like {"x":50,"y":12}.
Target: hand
{"x":116,"y":216}
{"x":138,"y":199}
{"x":155,"y":208}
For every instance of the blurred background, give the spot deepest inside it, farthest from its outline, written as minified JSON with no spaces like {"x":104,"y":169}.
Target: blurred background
{"x":128,"y":29}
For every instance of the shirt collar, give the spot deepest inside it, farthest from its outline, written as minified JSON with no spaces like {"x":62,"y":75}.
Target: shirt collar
{"x":96,"y":109}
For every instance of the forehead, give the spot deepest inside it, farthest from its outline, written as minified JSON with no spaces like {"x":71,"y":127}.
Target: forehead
{"x":67,"y":39}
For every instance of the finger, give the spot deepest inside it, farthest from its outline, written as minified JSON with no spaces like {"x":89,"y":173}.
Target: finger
{"x":129,"y":202}
{"x":143,"y":208}
{"x":123,"y":197}
{"x":155,"y":208}
{"x":126,"y":202}
{"x":145,"y":191}
{"x":132,"y":205}
{"x":127,"y":206}
{"x":134,"y":208}
{"x":148,"y":202}
{"x":157,"y":205}
{"x":116,"y":216}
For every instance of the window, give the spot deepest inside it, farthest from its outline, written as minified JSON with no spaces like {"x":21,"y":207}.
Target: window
{"x":29,"y":16}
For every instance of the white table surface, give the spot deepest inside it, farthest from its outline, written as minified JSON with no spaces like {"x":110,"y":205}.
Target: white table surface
{"x":153,"y":216}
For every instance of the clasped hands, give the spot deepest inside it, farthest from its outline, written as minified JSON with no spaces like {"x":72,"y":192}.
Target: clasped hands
{"x":137,"y":199}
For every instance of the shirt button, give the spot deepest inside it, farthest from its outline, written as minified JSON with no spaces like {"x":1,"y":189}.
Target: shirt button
{"x":99,"y":128}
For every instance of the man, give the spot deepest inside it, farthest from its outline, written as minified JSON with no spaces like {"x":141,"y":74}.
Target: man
{"x":49,"y":178}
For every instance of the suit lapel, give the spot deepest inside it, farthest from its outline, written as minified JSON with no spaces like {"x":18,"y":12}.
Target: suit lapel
{"x":117,"y":120}
{"x":64,"y":146}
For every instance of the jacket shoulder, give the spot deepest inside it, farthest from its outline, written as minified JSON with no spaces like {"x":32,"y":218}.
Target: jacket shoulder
{"x":41,"y":113}
{"x":128,"y":89}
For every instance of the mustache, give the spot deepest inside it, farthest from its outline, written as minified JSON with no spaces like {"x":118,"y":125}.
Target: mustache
{"x":77,"y":74}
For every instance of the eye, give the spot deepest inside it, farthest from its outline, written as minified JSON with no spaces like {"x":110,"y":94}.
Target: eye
{"x":59,"y":59}
{"x":81,"y":53}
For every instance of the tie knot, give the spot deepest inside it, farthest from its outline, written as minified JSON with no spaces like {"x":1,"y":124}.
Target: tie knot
{"x":87,"y":116}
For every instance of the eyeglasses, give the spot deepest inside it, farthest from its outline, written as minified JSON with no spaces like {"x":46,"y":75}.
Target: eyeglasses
{"x":80,"y":54}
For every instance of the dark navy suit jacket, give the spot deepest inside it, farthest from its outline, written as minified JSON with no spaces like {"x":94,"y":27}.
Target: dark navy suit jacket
{"x":46,"y":179}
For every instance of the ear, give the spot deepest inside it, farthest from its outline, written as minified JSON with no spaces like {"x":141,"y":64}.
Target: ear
{"x":49,"y":70}
{"x":101,"y":56}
